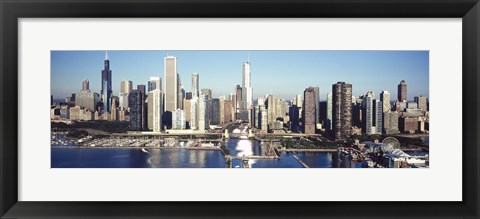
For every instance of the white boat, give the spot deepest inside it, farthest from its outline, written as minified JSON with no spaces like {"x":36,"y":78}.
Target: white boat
{"x":143,"y":149}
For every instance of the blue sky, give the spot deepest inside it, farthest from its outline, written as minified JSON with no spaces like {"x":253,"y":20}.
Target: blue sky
{"x":281,"y":73}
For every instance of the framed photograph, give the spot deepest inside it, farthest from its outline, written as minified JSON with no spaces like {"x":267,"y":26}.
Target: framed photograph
{"x":170,"y":109}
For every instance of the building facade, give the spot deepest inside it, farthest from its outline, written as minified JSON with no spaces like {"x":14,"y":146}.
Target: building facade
{"x":342,"y":110}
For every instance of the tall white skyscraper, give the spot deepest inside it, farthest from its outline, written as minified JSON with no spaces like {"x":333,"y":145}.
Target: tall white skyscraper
{"x":195,"y":85}
{"x":247,"y":91}
{"x":170,"y":84}
{"x":156,"y":109}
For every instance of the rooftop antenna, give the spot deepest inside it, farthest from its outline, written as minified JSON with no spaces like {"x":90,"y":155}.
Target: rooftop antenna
{"x":106,"y":55}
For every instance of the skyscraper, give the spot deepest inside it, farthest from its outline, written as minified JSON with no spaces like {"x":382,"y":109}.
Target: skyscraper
{"x":85,"y":85}
{"x":402,"y":91}
{"x":136,"y":101}
{"x":106,"y":92}
{"x":421,"y":102}
{"x":369,"y":122}
{"x":171,"y":84}
{"x":155,"y":83}
{"x":385,"y":98}
{"x":309,"y":110}
{"x":247,"y":89}
{"x":155,"y":109}
{"x":342,"y":110}
{"x":329,"y":112}
{"x":202,"y":113}
{"x":195,"y":84}
{"x":215,"y":112}
{"x":125,"y":88}
{"x":179,"y":93}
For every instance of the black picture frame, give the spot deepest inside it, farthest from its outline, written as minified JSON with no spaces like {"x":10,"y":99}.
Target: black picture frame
{"x":12,"y":10}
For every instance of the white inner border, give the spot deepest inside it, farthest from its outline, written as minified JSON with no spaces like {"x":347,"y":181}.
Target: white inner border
{"x":441,"y":182}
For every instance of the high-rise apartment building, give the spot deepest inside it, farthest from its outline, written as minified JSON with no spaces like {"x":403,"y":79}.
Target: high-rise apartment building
{"x":178,"y":117}
{"x":342,"y":110}
{"x":136,"y":101}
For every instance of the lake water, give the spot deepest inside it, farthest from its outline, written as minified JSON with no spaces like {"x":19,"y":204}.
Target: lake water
{"x":183,"y":158}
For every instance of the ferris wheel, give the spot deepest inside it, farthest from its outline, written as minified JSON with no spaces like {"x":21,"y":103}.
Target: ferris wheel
{"x":392,"y":142}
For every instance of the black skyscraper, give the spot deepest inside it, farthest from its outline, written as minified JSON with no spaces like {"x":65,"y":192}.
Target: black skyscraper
{"x":106,"y":92}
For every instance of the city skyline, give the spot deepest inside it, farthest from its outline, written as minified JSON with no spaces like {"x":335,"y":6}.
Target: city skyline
{"x":363,"y":69}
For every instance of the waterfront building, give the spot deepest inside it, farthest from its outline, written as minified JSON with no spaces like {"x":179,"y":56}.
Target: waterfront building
{"x":154,"y":84}
{"x":294,"y":113}
{"x":390,"y":122}
{"x":309,"y":112}
{"x":215,"y":112}
{"x":75,"y":113}
{"x":86,"y":99}
{"x":342,"y":110}
{"x":271,"y":108}
{"x":421,"y":102}
{"x":207,"y":93}
{"x":233,"y":99}
{"x":264,"y":120}
{"x":178,"y":118}
{"x":194,"y":113}
{"x":136,"y":101}
{"x":202,"y":112}
{"x":385,"y":98}
{"x":402,"y":91}
{"x":221,"y":100}
{"x":400,"y":106}
{"x":64,"y":112}
{"x":228,"y":111}
{"x":171,"y":88}
{"x":248,"y":90}
{"x":408,"y":124}
{"x":187,"y":104}
{"x":106,"y":92}
{"x":155,"y":109}
{"x":150,"y":110}
{"x":238,"y":100}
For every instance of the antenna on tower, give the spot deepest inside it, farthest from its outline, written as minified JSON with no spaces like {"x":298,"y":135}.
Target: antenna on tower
{"x":106,"y":55}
